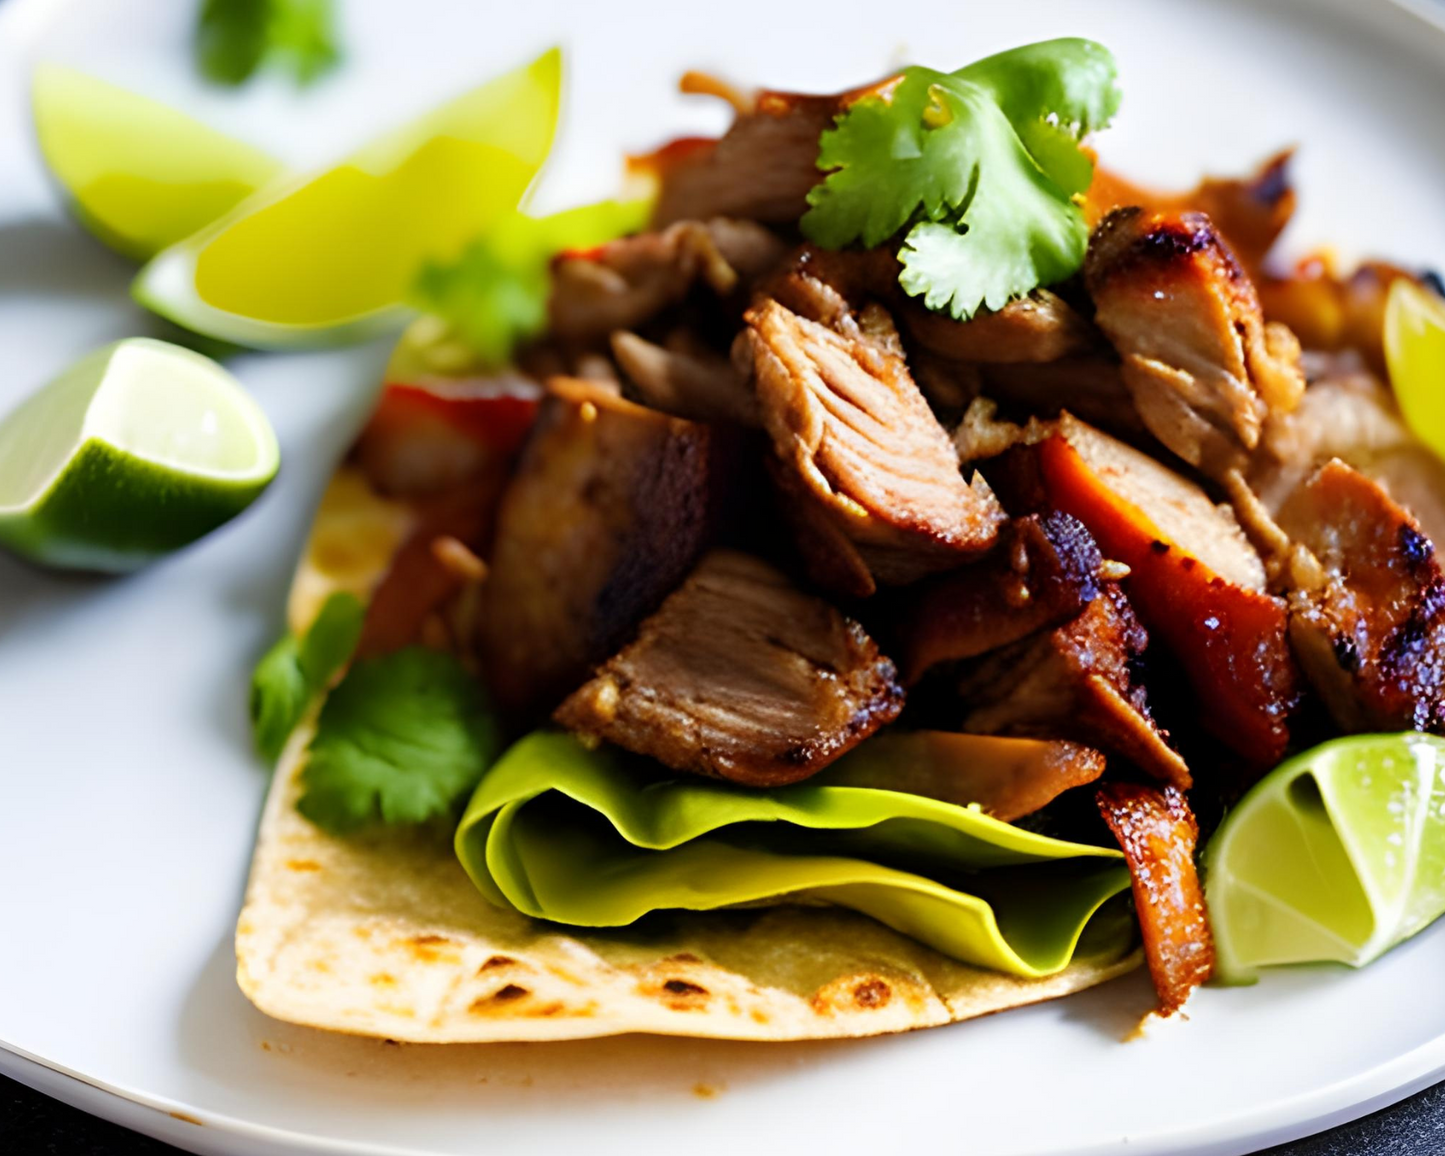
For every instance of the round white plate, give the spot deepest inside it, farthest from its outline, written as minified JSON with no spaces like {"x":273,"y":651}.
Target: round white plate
{"x":128,"y":792}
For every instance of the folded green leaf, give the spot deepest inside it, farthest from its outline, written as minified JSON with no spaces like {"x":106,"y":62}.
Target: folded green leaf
{"x":979,"y":166}
{"x":584,"y":837}
{"x":402,"y":739}
{"x":494,"y":295}
{"x":295,"y":670}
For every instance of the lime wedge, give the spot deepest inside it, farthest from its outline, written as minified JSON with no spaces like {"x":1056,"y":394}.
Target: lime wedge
{"x":330,"y":257}
{"x":135,"y":450}
{"x":1336,"y":855}
{"x":137,"y":174}
{"x":1415,"y":355}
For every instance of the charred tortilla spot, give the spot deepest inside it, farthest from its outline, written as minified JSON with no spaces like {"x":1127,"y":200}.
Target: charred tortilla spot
{"x":510,"y":992}
{"x":495,"y":962}
{"x":684,"y":987}
{"x":872,"y":993}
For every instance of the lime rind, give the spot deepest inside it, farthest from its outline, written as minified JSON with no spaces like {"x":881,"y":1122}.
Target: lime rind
{"x":1335,"y":856}
{"x":139,"y":175}
{"x":136,"y":450}
{"x":300,"y":265}
{"x":1414,"y":339}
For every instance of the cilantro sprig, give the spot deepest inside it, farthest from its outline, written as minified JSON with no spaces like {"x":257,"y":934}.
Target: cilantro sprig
{"x":235,"y":38}
{"x":402,"y":739}
{"x":978,"y":169}
{"x":296,"y":670}
{"x":493,"y":296}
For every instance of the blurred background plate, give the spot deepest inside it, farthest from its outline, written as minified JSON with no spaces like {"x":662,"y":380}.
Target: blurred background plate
{"x":128,"y":792}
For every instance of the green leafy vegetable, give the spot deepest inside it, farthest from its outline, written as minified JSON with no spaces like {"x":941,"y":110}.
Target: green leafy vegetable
{"x":980,"y":166}
{"x":295,"y":670}
{"x":235,"y":38}
{"x":403,"y":738}
{"x":494,"y":295}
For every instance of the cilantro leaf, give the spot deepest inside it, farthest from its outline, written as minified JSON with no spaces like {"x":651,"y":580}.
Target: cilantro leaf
{"x":235,"y":38}
{"x":494,"y":295}
{"x":295,"y":670}
{"x":979,"y":166}
{"x":403,"y":738}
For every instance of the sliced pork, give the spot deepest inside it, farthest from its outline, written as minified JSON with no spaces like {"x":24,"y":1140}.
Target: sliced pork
{"x":740,"y":676}
{"x":1077,"y":681}
{"x":1157,"y":832}
{"x":1039,"y":327}
{"x":686,"y":379}
{"x":1203,"y":369}
{"x":1042,"y":573}
{"x":625,"y":282}
{"x":1367,"y":611}
{"x":869,"y":475}
{"x":1006,"y":778}
{"x":609,"y":509}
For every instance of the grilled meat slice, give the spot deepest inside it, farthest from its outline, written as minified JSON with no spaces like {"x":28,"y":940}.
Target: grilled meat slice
{"x":740,"y":676}
{"x":1039,"y":327}
{"x":1203,"y":369}
{"x":1089,"y":385}
{"x":1075,"y":682}
{"x":1367,"y":608}
{"x":686,"y":379}
{"x":1251,"y":211}
{"x":860,"y":457}
{"x":1007,"y":778}
{"x":609,"y":509}
{"x":1196,"y":581}
{"x":623,"y":283}
{"x":762,"y":168}
{"x":1042,"y":573}
{"x":1157,"y":832}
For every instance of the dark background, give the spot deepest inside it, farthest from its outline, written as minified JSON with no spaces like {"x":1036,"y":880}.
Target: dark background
{"x":31,"y":1125}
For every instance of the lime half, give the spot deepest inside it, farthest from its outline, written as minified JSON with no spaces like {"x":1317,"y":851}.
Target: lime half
{"x":330,"y":257}
{"x":1336,"y":855}
{"x":135,"y":450}
{"x":139,"y":175}
{"x":1415,"y":354}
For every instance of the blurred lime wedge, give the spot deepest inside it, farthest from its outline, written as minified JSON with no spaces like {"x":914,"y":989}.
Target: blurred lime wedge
{"x":1337,"y":855}
{"x":139,"y":175}
{"x":135,"y":450}
{"x":330,"y":257}
{"x":1415,"y":354}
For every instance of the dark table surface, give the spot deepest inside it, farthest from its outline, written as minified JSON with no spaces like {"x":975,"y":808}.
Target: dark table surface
{"x":31,"y":1124}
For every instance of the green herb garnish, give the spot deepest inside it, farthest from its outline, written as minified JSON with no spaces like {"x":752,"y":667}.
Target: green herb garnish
{"x":235,"y":38}
{"x":494,"y":295}
{"x":402,"y":739}
{"x":980,"y":167}
{"x":295,"y":670}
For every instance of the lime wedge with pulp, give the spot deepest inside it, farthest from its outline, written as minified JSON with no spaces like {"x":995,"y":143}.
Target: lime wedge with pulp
{"x":1415,"y":354}
{"x":138,"y":175}
{"x":1336,"y":855}
{"x":135,"y":450}
{"x":330,"y":257}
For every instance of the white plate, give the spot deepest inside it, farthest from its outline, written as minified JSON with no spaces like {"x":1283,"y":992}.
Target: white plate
{"x":128,"y":792}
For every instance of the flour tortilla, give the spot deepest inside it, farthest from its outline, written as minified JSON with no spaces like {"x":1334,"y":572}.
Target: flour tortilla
{"x":384,"y":935}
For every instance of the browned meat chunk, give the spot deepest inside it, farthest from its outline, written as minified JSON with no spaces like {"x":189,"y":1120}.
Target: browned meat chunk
{"x":1043,"y":572}
{"x":1007,"y":778}
{"x":1203,"y":369}
{"x":1157,"y":833}
{"x":1195,"y":579}
{"x":1074,"y":682}
{"x":740,"y":676}
{"x":1251,"y":211}
{"x":1091,"y":386}
{"x":1039,"y":327}
{"x":762,"y":168}
{"x":1367,"y":612}
{"x":609,"y":509}
{"x":686,"y":379}
{"x":870,"y":475}
{"x":1349,"y":413}
{"x":621,"y":284}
